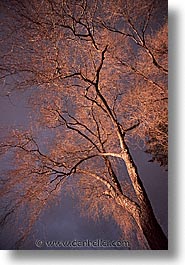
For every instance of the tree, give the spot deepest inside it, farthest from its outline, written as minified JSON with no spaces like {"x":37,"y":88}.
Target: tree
{"x":96,"y":78}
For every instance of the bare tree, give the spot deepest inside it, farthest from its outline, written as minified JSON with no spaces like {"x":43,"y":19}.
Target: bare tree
{"x":97,"y":73}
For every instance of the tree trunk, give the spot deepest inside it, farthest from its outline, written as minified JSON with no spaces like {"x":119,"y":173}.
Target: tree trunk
{"x":141,"y":210}
{"x":147,"y":221}
{"x":152,"y":231}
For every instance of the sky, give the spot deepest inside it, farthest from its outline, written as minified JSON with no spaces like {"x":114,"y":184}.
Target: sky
{"x":176,"y":254}
{"x":63,"y":221}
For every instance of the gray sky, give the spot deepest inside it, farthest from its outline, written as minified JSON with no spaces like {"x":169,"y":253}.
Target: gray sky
{"x":64,"y":222}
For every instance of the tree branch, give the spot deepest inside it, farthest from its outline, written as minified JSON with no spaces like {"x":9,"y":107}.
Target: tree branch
{"x":132,"y":207}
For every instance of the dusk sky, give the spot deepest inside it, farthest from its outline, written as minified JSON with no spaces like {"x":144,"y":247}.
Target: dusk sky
{"x":59,"y":82}
{"x":64,"y":222}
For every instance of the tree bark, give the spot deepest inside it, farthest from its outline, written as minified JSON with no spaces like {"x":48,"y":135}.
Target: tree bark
{"x":147,"y":223}
{"x":147,"y":220}
{"x":142,"y":212}
{"x":152,"y":230}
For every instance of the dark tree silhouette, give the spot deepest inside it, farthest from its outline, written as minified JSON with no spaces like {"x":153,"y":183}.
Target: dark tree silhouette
{"x":96,"y":76}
